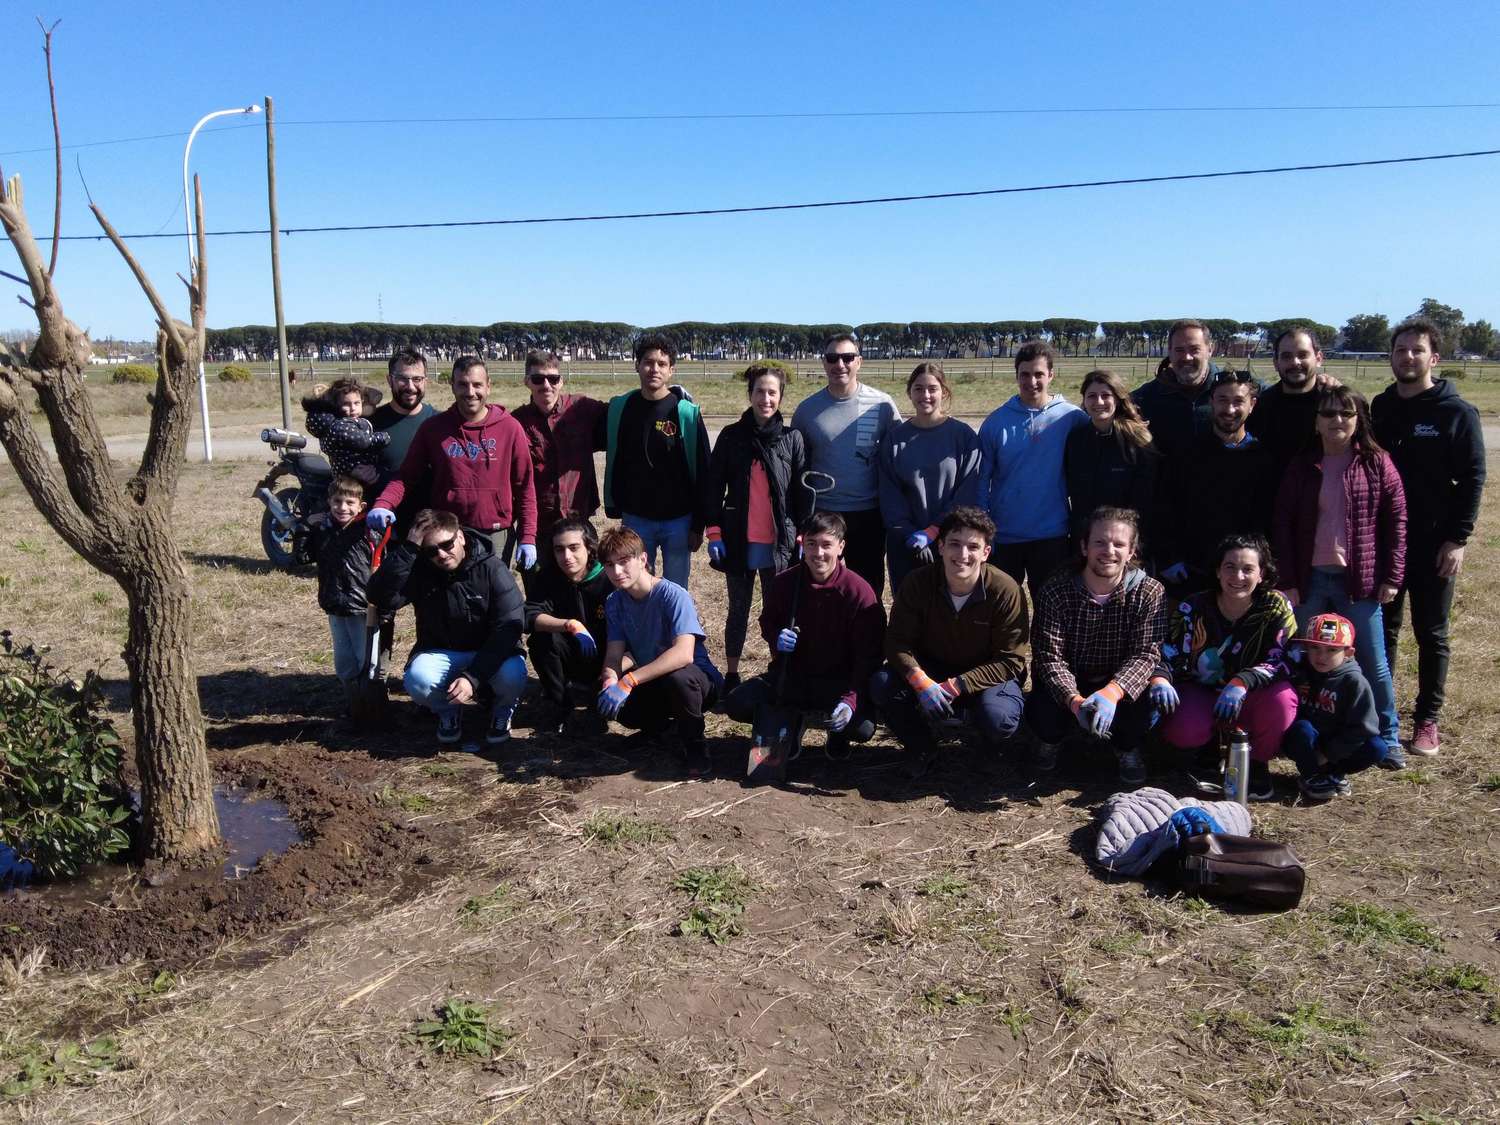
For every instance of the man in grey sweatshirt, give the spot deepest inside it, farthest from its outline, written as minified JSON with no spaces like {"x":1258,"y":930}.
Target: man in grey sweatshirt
{"x":841,"y":426}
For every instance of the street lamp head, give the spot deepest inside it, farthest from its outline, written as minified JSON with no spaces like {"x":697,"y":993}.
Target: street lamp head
{"x":251,"y":109}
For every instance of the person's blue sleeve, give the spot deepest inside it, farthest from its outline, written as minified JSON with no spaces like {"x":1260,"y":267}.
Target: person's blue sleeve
{"x":682,"y":615}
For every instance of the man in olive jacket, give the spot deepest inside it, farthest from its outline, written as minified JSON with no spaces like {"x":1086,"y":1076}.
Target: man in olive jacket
{"x":953,"y":645}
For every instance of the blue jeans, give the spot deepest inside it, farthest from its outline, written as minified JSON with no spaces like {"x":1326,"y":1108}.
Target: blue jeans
{"x":348,"y":645}
{"x":672,"y":537}
{"x":1327,"y":592}
{"x":994,"y":713}
{"x":1301,"y":746}
{"x":432,"y":669}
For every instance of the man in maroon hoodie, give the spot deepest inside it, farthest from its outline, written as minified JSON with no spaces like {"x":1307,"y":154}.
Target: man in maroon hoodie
{"x":480,"y":465}
{"x":560,"y":433}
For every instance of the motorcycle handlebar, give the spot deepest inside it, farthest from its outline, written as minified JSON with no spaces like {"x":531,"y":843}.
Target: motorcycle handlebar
{"x":275,"y":435}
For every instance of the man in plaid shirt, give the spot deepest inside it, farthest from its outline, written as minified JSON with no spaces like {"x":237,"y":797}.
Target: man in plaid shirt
{"x":1095,"y":642}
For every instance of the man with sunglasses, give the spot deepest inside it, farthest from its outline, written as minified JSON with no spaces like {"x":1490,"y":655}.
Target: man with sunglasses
{"x":560,"y":433}
{"x":1225,"y":484}
{"x":469,"y":618}
{"x":842,"y":425}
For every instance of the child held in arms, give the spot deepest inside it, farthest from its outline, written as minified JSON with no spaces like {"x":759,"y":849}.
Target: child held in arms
{"x":336,"y":418}
{"x":1337,"y":731}
{"x":344,"y":550}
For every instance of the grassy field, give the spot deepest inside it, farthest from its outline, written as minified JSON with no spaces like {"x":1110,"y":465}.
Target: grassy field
{"x":978,"y":385}
{"x":855,"y":947}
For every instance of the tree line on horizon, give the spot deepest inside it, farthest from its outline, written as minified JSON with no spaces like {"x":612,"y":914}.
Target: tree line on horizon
{"x":745,"y":340}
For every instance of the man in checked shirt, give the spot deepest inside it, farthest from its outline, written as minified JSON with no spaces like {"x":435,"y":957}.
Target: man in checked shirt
{"x":1095,"y":641}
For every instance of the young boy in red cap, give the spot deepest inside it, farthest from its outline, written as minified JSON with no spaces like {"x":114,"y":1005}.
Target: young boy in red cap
{"x":1337,"y":731}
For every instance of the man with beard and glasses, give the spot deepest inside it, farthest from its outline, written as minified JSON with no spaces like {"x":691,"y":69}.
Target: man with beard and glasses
{"x":1176,"y":403}
{"x":1286,"y":413}
{"x":1435,"y":439}
{"x":401,"y":417}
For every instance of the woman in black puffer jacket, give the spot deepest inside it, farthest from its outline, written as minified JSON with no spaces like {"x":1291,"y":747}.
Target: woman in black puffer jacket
{"x":754,"y":502}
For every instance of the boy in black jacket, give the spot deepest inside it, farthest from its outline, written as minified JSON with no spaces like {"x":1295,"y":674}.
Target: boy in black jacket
{"x":1337,"y":731}
{"x":344,"y":550}
{"x":1436,"y":441}
{"x":468,"y":621}
{"x":565,"y":620}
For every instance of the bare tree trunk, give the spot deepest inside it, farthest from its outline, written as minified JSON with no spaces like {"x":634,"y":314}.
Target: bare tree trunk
{"x":177,"y":807}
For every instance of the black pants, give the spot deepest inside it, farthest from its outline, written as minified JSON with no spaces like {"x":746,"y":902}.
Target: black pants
{"x":741,"y":589}
{"x":557,"y":663}
{"x":681,"y":696}
{"x":1431,"y":599}
{"x":1051,"y":721}
{"x":864,"y":547}
{"x":806,"y":694}
{"x":994,"y":712}
{"x":1031,"y":562}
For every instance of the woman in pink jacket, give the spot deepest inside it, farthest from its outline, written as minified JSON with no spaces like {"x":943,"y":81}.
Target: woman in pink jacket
{"x":1340,"y":538}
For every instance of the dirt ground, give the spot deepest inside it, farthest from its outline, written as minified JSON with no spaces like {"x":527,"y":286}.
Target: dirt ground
{"x":922,"y":951}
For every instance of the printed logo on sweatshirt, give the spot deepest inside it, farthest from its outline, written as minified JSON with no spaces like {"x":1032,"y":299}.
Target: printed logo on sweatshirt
{"x":1425,"y":429}
{"x":667,"y":428}
{"x":469,"y":450}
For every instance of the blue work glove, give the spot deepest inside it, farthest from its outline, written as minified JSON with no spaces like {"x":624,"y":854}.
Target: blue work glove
{"x":1192,"y":821}
{"x":1163,"y":696}
{"x":935,"y":698}
{"x":378,"y":519}
{"x":918,"y":541}
{"x":526,"y":556}
{"x":839,"y":718}
{"x":786,"y":640}
{"x":612,"y":698}
{"x":1175,"y":574}
{"x":716,"y":550}
{"x":586,"y":645}
{"x":1097,"y":714}
{"x":1231,"y":699}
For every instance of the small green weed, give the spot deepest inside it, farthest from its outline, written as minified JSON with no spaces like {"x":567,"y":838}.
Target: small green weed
{"x":393,"y":798}
{"x":1364,"y":921}
{"x":4,"y":582}
{"x":439,"y":769}
{"x":463,"y":1029}
{"x":1290,"y":1032}
{"x":719,"y":894}
{"x":1491,"y":783}
{"x":30,"y":547}
{"x":1015,"y":1019}
{"x":944,"y":886}
{"x":1416,"y":776}
{"x":938,"y":1000}
{"x":487,"y":909}
{"x":1116,"y":944}
{"x":73,"y":1064}
{"x":101,"y":597}
{"x":1460,"y":978}
{"x":612,"y":831}
{"x":160,"y":985}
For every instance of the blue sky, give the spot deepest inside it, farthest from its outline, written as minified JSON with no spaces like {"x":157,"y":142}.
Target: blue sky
{"x":1324,"y":244}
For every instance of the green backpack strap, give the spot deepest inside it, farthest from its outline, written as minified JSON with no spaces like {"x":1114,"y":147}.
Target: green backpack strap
{"x":611,"y":440}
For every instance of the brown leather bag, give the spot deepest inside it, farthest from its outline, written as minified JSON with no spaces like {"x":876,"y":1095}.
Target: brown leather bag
{"x":1242,"y":868}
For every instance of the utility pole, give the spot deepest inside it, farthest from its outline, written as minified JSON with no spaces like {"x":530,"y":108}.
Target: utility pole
{"x":286,"y":386}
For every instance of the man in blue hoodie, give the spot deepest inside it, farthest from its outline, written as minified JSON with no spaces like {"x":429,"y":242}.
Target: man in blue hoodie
{"x":1021,"y":471}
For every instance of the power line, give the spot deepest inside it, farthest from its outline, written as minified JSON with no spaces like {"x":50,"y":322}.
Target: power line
{"x":765,"y":207}
{"x":561,"y":119}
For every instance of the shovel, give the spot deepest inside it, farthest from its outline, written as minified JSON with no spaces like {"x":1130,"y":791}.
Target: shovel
{"x":776,"y":734}
{"x":368,"y":699}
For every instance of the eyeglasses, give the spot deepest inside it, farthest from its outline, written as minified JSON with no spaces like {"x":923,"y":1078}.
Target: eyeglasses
{"x":1340,"y":414}
{"x":840,"y":357}
{"x":432,"y":550}
{"x":409,"y":380}
{"x":1224,"y":378}
{"x":536,"y":379}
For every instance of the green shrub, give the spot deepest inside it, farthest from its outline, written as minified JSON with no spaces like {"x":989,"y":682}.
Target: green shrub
{"x":1453,"y":373}
{"x":133,"y":373}
{"x":776,"y":364}
{"x":235,"y":373}
{"x":62,"y":804}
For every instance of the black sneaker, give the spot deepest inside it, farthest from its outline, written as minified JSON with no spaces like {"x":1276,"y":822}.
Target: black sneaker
{"x":1044,"y":757}
{"x":697,"y":762}
{"x":1132,"y":767}
{"x":1325,"y":786}
{"x":450,"y":727}
{"x":499,"y":732}
{"x":1261,"y":788}
{"x":547,"y":717}
{"x":1395,"y":759}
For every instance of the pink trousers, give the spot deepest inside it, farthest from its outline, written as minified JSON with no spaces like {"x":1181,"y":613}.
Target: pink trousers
{"x":1265,"y":716}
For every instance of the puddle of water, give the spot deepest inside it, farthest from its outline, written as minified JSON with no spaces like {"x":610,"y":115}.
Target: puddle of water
{"x":253,"y":827}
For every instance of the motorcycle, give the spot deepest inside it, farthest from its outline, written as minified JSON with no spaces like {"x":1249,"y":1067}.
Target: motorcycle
{"x":285,"y":527}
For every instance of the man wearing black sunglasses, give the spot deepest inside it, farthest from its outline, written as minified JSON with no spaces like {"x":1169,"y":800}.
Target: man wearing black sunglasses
{"x":469,"y":617}
{"x":560,"y":432}
{"x":841,"y":426}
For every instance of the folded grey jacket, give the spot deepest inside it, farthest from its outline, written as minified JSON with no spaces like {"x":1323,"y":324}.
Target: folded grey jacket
{"x":1134,"y":833}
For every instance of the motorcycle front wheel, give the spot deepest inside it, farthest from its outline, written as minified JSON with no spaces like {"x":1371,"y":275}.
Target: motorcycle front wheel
{"x":280,"y":544}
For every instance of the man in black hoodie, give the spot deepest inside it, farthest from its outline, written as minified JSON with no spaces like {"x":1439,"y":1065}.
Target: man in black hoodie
{"x":1435,"y":439}
{"x":468,"y":621}
{"x":565,"y":620}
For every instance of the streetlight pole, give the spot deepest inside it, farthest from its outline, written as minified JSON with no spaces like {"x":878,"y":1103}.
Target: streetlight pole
{"x":187,"y":206}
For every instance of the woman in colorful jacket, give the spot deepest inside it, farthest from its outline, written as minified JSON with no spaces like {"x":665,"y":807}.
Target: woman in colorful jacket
{"x":753,"y":502}
{"x":1340,"y":535}
{"x":1225,"y":660}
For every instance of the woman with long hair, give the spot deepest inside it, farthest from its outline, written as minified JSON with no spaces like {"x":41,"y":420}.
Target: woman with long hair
{"x":1226,"y":656}
{"x":1340,"y":536}
{"x":929,"y":465}
{"x":1110,"y":463}
{"x":753,"y":501}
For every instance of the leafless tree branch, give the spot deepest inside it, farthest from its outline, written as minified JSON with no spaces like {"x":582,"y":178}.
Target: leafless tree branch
{"x":56,"y":144}
{"x":168,"y":323}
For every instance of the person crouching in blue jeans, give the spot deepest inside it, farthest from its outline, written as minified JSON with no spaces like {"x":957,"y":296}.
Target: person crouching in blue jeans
{"x":469,"y":617}
{"x":1337,"y":731}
